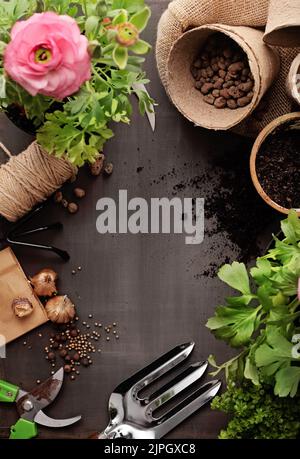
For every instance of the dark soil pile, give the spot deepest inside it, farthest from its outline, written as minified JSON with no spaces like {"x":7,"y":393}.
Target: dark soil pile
{"x":278,"y":167}
{"x":236,"y":217}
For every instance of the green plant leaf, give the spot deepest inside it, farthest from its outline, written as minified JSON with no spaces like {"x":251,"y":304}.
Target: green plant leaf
{"x":275,"y":353}
{"x":2,"y":87}
{"x":234,"y":324}
{"x":140,"y":47}
{"x":261,"y":271}
{"x":140,"y":19}
{"x":236,"y":276}
{"x":287,"y":381}
{"x":122,"y":16}
{"x":291,"y":227}
{"x":91,"y":26}
{"x":120,"y":56}
{"x":251,"y":372}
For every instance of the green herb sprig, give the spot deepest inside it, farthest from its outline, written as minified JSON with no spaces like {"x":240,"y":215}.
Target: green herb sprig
{"x":256,"y":413}
{"x":263,"y":320}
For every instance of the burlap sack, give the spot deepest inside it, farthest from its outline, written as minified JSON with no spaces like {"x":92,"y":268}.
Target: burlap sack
{"x":263,"y":61}
{"x":182,"y":15}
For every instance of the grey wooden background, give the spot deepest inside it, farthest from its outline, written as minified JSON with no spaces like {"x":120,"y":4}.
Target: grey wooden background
{"x":148,"y":284}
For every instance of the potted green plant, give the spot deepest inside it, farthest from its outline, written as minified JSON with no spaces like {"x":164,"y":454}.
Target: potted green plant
{"x":262,"y":321}
{"x":71,"y":103}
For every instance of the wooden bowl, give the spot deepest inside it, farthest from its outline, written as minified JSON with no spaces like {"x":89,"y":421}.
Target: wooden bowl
{"x":255,"y":149}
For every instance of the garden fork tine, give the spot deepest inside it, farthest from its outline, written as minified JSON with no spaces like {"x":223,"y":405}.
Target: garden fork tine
{"x":156,"y":369}
{"x":187,"y":407}
{"x":135,"y":416}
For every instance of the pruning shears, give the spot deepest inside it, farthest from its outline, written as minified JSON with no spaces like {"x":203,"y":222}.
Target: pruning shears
{"x":30,"y":406}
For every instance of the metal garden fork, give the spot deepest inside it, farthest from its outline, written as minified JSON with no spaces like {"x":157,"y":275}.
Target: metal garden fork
{"x":135,"y":417}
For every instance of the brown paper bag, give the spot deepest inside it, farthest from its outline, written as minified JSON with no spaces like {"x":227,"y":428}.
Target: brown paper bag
{"x":14,"y":284}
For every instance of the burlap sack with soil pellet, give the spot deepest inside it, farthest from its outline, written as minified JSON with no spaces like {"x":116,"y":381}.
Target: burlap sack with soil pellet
{"x":183,"y":15}
{"x":264,"y":65}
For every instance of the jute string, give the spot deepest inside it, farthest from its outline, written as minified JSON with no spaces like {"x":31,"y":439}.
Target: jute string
{"x":30,"y":178}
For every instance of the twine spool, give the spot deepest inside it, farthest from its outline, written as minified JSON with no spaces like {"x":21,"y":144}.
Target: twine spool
{"x":30,"y":178}
{"x":263,"y":61}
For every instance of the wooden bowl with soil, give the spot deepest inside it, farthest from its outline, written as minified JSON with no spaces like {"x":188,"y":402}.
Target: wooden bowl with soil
{"x":275,"y":163}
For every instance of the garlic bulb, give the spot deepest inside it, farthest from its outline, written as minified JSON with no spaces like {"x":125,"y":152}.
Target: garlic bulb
{"x":22,"y":307}
{"x":44,"y":282}
{"x":60,"y":309}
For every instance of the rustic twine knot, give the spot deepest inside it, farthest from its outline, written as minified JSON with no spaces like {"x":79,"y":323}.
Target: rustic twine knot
{"x":30,"y":178}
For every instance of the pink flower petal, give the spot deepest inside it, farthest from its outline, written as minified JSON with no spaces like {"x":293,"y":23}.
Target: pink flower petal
{"x":70,"y":63}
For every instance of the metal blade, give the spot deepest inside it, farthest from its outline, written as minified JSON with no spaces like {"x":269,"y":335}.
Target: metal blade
{"x":41,"y":396}
{"x":155,"y":370}
{"x":187,"y":407}
{"x":44,"y":420}
{"x":175,"y":386}
{"x":150,"y":114}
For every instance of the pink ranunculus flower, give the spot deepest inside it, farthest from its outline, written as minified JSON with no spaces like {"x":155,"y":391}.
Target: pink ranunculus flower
{"x":48,"y":55}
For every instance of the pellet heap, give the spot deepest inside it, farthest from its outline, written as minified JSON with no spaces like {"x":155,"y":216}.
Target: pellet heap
{"x":222,"y":73}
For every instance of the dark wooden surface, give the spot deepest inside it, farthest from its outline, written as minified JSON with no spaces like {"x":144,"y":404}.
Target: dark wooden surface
{"x":146,"y":283}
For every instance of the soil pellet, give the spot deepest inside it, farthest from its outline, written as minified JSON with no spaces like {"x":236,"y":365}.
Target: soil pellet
{"x":223,"y":65}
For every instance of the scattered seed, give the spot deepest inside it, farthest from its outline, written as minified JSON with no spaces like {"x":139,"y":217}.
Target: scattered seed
{"x":79,"y":192}
{"x":38,"y":381}
{"x":108,"y":168}
{"x":58,"y":196}
{"x":73,"y":208}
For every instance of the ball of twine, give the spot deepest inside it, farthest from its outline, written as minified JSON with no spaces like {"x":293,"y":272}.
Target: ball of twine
{"x":30,"y":178}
